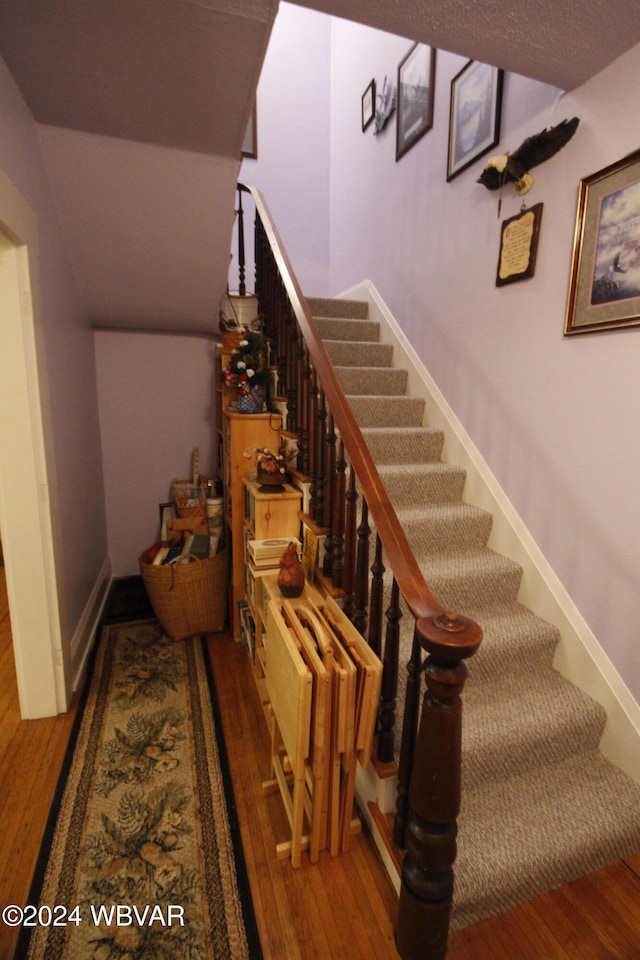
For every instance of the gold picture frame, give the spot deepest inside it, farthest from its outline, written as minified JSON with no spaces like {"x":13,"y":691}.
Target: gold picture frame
{"x":604,"y":284}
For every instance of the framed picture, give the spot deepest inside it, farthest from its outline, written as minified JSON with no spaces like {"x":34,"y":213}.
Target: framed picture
{"x":474,"y":115}
{"x":250,"y":142}
{"x":519,"y":246}
{"x":368,"y":105}
{"x":416,"y":81}
{"x":604,"y":285}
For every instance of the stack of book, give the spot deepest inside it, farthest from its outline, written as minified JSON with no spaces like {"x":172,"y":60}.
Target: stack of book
{"x":267,"y":553}
{"x":198,"y":545}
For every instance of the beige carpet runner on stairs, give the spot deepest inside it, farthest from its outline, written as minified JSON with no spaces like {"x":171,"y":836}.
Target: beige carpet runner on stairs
{"x":541,"y":805}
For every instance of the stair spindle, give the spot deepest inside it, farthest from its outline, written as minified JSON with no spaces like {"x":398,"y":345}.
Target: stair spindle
{"x":375,"y":604}
{"x":330,"y":488}
{"x":349,"y":574}
{"x":362,"y":571}
{"x":338,"y":520}
{"x":387,"y":716}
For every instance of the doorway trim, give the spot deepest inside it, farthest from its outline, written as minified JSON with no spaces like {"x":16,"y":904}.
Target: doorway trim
{"x":26,"y":466}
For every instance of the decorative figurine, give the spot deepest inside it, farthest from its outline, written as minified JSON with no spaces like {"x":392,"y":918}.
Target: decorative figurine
{"x":291,"y":576}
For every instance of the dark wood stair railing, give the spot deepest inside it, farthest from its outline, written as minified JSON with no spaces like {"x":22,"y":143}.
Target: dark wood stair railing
{"x":335,"y":460}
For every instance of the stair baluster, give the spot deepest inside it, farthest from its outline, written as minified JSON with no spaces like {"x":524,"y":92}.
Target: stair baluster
{"x":318,"y":504}
{"x":349,"y":575}
{"x":408,"y":741}
{"x":362,"y":571}
{"x":387,"y":717}
{"x":338,"y":519}
{"x":242,"y":288}
{"x":374,"y":634}
{"x":330,"y":489}
{"x":312,"y":448}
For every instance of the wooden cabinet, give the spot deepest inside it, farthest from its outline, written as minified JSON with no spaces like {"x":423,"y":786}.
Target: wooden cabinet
{"x":241,"y":432}
{"x":268,"y":515}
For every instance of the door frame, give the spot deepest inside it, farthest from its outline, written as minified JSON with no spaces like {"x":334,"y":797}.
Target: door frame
{"x":27,"y":500}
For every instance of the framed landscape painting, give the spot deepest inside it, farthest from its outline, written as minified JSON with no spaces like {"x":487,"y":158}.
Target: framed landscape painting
{"x":416,"y":79}
{"x":474,"y":115}
{"x":604,"y":284}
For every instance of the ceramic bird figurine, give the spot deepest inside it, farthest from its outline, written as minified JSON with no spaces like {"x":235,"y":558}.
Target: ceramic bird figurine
{"x":291,"y":576}
{"x":514,"y":167}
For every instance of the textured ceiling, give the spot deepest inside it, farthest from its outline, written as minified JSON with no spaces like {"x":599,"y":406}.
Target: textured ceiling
{"x":173,"y":72}
{"x":182,"y":75}
{"x":560,"y":42}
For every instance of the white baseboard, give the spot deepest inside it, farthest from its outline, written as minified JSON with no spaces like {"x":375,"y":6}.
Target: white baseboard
{"x":85,"y":632}
{"x":579,"y":656}
{"x":368,"y":789}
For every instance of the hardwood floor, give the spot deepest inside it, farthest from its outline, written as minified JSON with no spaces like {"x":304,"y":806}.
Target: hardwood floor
{"x":340,"y":908}
{"x":343,"y":907}
{"x":31,"y":755}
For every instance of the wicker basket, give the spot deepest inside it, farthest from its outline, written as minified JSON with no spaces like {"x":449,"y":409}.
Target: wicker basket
{"x":188,"y":598}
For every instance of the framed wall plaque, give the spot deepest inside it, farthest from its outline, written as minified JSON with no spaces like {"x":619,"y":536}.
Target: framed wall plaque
{"x":519,"y":246}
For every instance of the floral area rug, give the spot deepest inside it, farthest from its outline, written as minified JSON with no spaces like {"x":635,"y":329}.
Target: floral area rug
{"x":142,"y":858}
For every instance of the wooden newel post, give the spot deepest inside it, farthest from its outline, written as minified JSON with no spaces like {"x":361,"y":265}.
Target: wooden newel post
{"x":426,"y":891}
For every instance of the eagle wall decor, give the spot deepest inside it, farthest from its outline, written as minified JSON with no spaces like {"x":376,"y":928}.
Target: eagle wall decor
{"x":514,"y":167}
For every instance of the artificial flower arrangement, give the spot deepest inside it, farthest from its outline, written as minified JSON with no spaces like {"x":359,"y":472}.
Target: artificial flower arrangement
{"x":246,"y":364}
{"x":272,"y":464}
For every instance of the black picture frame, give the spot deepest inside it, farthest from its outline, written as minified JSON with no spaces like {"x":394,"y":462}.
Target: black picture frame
{"x":474,"y":114}
{"x":368,"y":106}
{"x":416,"y":86}
{"x":250,"y":142}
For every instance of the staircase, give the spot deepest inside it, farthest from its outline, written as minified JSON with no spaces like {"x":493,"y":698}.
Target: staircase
{"x":541,"y":805}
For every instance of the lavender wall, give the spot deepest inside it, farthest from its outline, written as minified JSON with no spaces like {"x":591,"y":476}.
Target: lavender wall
{"x":156,"y":404}
{"x":69,"y":360}
{"x":292,"y":169}
{"x":555,"y":417}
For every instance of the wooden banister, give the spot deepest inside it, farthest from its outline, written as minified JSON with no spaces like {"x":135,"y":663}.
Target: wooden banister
{"x":331,"y":443}
{"x":415,"y":591}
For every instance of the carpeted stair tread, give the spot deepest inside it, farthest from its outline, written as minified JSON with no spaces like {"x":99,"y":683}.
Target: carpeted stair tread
{"x":372,"y":380}
{"x":351,"y":353}
{"x":376,"y":411}
{"x":446,"y":526}
{"x":460,"y":578}
{"x":404,"y":445}
{"x":540,"y":830}
{"x":514,"y":640}
{"x":342,"y":328}
{"x":338,"y":307}
{"x":540,"y":804}
{"x":433,"y":483}
{"x":509,"y":730}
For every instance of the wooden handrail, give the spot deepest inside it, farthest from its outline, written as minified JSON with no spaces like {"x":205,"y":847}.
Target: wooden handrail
{"x":429,"y":772}
{"x":412,"y":585}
